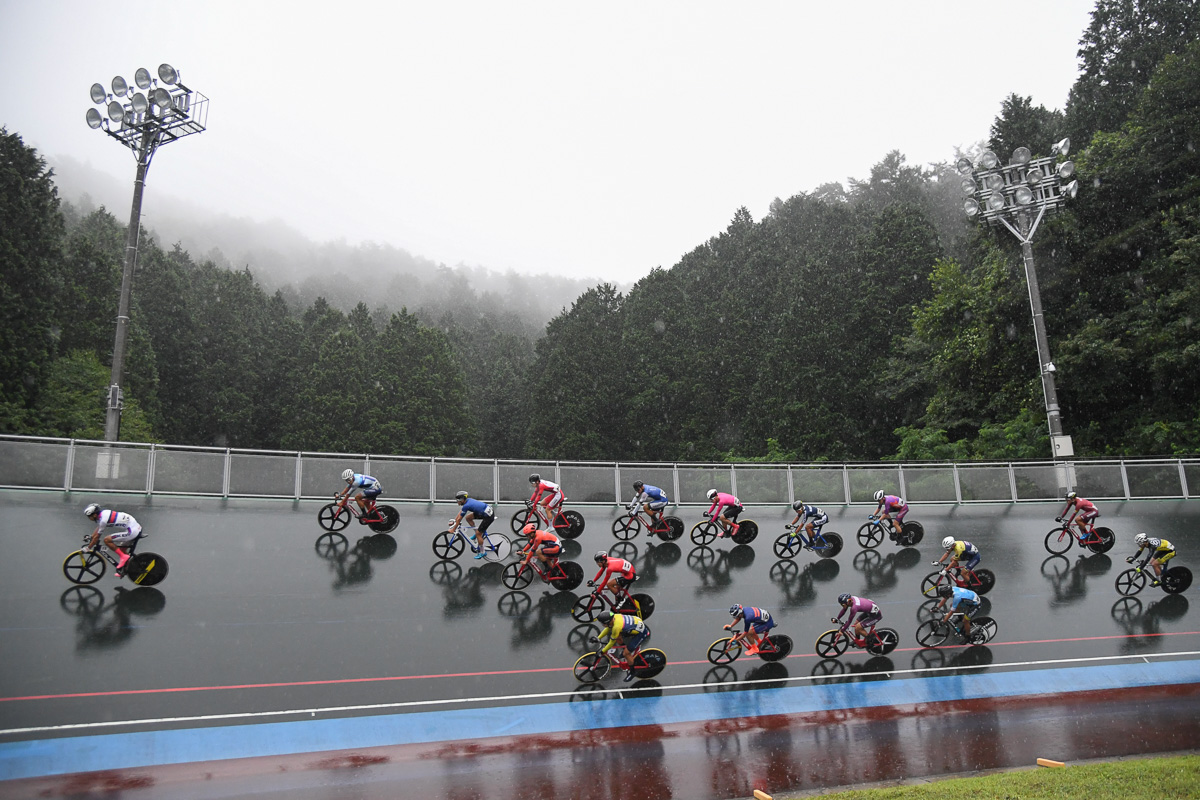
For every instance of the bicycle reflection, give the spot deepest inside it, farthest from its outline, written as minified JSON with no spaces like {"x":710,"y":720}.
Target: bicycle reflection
{"x":352,"y":565}
{"x":100,"y":625}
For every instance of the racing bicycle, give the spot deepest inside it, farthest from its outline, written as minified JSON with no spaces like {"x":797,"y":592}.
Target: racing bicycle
{"x":562,"y":575}
{"x":337,"y":515}
{"x":567,"y":524}
{"x":933,"y":632}
{"x":878,"y":641}
{"x":87,"y":565}
{"x":450,"y":544}
{"x":705,"y":532}
{"x":588,"y":608}
{"x":627,"y":526}
{"x":826,"y":545}
{"x":979,"y":581}
{"x":1098,"y":540}
{"x":594,"y":666}
{"x":872,"y":532}
{"x":1173,"y":581}
{"x":774,"y":647}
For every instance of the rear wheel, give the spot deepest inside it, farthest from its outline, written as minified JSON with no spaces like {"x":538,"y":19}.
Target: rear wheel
{"x":627,"y":526}
{"x":1176,"y":579}
{"x":832,"y":544}
{"x":781,"y":648}
{"x":911,"y":533}
{"x":496,"y":547}
{"x":1130,"y":582}
{"x":831,"y":644}
{"x":674,"y":529}
{"x":643,"y":604}
{"x":517,"y":575}
{"x":332,"y":517}
{"x":747,"y":532}
{"x":574,"y":576}
{"x":574,"y":524}
{"x":448,"y":545}
{"x":870,"y":535}
{"x":1107,"y":540}
{"x":882,"y":641}
{"x":983,"y":630}
{"x":146,"y":569}
{"x":724,"y":651}
{"x":932,"y":633}
{"x":649,"y":663}
{"x":1058,"y":541}
{"x":987,"y":579}
{"x":704,"y":532}
{"x":591,"y":667}
{"x":83,"y":567}
{"x":391,"y":518}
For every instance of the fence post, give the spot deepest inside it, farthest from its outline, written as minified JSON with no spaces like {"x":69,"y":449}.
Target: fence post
{"x":150,"y":470}
{"x":432,"y":478}
{"x":225,"y":480}
{"x":846,"y":483}
{"x":70,"y":466}
{"x":791,"y":486}
{"x":496,"y":481}
{"x":675,"y":482}
{"x":1012,"y":482}
{"x":617,"y":481}
{"x":732,"y":480}
{"x":298,"y":489}
{"x":900,"y":477}
{"x":957,"y":485}
{"x":1124,"y":479}
{"x":1182,"y":478}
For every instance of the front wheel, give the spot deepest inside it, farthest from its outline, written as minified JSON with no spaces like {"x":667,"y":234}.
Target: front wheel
{"x":591,"y":667}
{"x":84,"y":567}
{"x":987,"y":579}
{"x":523,"y":517}
{"x":780,"y":647}
{"x":831,"y":644}
{"x":1058,"y":541}
{"x":870,"y":535}
{"x":448,"y":545}
{"x":983,"y":630}
{"x":626,"y":527}
{"x":517,"y":575}
{"x":724,"y":651}
{"x":391,"y":518}
{"x":1176,"y":579}
{"x":649,"y":663}
{"x":787,"y":545}
{"x":931,"y":582}
{"x":333,"y":517}
{"x":747,"y":532}
{"x":574,"y":525}
{"x":932,"y":633}
{"x":585,"y":609}
{"x":1130,"y":582}
{"x":146,"y":569}
{"x":704,"y":532}
{"x":882,"y":641}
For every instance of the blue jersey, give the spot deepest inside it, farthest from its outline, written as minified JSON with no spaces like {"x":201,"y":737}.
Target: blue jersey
{"x":653,"y":494}
{"x":365,"y":482}
{"x":963,"y":595}
{"x":757,"y":618}
{"x":476,"y":507}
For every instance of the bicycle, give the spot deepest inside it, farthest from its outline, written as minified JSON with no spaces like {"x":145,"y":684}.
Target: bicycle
{"x":567,"y":524}
{"x":1098,"y":540}
{"x":588,"y":608}
{"x":705,"y":532}
{"x":450,"y":544}
{"x":627,"y":526}
{"x":1173,"y":581}
{"x":562,"y":575}
{"x":594,"y":666}
{"x":872,"y":532}
{"x":335,"y":516}
{"x":774,"y":647}
{"x":935,"y":631}
{"x":87,"y":565}
{"x":979,"y":581}
{"x":826,"y":545}
{"x":878,"y":641}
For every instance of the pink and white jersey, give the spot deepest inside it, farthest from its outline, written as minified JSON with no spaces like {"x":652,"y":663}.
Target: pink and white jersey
{"x":723,"y":500}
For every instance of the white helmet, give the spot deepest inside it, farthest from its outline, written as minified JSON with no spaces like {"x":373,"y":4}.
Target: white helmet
{"x":712,"y":494}
{"x":348,"y":475}
{"x":94,"y":509}
{"x":1140,"y":539}
{"x":948,"y":543}
{"x":879,"y":495}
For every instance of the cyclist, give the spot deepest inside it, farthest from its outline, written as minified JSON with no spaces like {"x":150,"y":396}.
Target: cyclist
{"x":869,"y":615}
{"x":625,"y":631}
{"x":810,"y":518}
{"x":652,"y":498}
{"x":618,"y":573}
{"x":889,"y":503}
{"x":1082,"y":512}
{"x":543,"y":545}
{"x":728,"y":507}
{"x":127,"y":531}
{"x":548,"y":494}
{"x":758,"y":622}
{"x":469,"y":511}
{"x":969,"y":600}
{"x":366,"y":498}
{"x":958,"y":551}
{"x":1161,"y":552}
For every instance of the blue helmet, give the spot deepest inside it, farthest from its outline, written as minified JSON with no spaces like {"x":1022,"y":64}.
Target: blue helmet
{"x":844,"y":599}
{"x":735,"y":610}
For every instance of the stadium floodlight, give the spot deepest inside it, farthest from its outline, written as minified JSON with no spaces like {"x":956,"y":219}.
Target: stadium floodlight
{"x":177,"y":112}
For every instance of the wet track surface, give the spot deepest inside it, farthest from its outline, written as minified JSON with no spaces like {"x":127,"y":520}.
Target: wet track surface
{"x":253,"y":620}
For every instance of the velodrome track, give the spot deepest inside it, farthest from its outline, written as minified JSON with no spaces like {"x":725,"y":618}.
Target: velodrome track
{"x":385,"y":666}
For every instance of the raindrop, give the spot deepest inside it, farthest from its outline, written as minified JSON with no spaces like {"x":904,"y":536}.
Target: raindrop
{"x":1096,"y":182}
{"x":659,"y":326}
{"x":1012,"y":331}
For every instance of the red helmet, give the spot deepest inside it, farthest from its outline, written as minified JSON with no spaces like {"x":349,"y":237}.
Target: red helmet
{"x":529,"y":529}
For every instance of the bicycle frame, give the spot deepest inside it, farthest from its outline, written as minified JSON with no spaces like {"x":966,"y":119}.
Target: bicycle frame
{"x":818,"y":536}
{"x":652,"y":525}
{"x":1091,"y":537}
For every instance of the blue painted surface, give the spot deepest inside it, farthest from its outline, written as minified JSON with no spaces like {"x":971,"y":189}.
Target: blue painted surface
{"x":150,"y":748}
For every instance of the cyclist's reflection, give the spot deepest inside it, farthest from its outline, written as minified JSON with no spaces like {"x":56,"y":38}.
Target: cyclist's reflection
{"x":100,"y":625}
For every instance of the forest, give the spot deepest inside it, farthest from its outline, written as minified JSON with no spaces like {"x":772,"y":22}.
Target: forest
{"x":860,"y":322}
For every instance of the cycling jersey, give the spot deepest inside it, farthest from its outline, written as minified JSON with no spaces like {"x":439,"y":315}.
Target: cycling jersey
{"x":547,"y":489}
{"x":477,"y":507}
{"x":963,"y":596}
{"x":863,"y":606}
{"x":370,"y":486}
{"x":652,"y":496}
{"x":1161,"y":549}
{"x":724,"y":501}
{"x":623,"y":625}
{"x":890,"y":503}
{"x":1086,"y":509}
{"x":814,"y":515}
{"x":545,"y":541}
{"x":758,"y":619}
{"x":127,"y":527}
{"x":614,"y":566}
{"x":966,"y":552}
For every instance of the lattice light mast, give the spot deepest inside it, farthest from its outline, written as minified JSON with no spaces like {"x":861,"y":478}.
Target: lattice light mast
{"x":1019,"y":196}
{"x":152,"y":112}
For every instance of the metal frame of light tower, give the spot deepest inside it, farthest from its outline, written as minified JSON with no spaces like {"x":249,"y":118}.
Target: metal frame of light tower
{"x":142,"y":117}
{"x":1018,"y":196}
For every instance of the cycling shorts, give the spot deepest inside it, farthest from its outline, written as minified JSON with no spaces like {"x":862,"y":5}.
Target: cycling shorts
{"x":967,"y":607}
{"x":484,"y":522}
{"x":1164,"y":556}
{"x":636,"y":640}
{"x":1087,"y":516}
{"x":125,"y":536}
{"x":552,"y":500}
{"x":371,"y":494}
{"x":622,"y":581}
{"x":731,"y":512}
{"x":971,"y":561}
{"x":868,"y":619}
{"x":762,"y":626}
{"x":656,"y":505}
{"x":817,"y":522}
{"x":550,"y":548}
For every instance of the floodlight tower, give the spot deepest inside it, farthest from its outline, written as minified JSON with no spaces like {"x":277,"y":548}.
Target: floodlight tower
{"x":1018,"y":196}
{"x":157,"y":112}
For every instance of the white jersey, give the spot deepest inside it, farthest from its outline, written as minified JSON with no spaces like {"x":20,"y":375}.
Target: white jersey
{"x":118,"y":519}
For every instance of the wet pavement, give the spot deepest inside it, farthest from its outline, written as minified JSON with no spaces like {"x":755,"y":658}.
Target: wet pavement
{"x":256,"y":618}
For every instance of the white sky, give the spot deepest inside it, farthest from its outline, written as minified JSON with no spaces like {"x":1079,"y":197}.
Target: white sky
{"x":580,"y":139}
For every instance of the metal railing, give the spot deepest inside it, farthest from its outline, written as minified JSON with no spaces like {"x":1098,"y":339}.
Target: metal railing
{"x":77,"y":465}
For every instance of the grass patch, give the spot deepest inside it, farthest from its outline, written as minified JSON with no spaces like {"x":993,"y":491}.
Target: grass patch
{"x":1137,"y":779}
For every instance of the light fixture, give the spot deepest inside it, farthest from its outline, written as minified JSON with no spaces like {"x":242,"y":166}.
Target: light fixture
{"x":995,"y":181}
{"x":963,"y":166}
{"x":1071,"y":189}
{"x":115,"y":111}
{"x":142,"y":78}
{"x":167,"y":74}
{"x":161,"y":98}
{"x":1021,"y":155}
{"x":988,"y":159}
{"x":970,"y":206}
{"x":1034,"y":176}
{"x":119,"y":86}
{"x":968,"y":186}
{"x":140,"y":103}
{"x":995,"y":202}
{"x":1066,"y":169}
{"x":1061,"y":148}
{"x":1023,"y":196}
{"x":98,"y":94}
{"x":94,"y":120}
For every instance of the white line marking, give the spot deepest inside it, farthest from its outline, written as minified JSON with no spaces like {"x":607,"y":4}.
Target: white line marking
{"x":545,"y":695}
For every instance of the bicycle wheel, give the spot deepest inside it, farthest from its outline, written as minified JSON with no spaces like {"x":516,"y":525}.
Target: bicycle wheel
{"x":643,"y":604}
{"x":448,"y":545}
{"x":496,"y":547}
{"x":832,"y":544}
{"x":724,"y":651}
{"x":1176,"y":579}
{"x":146,"y":569}
{"x":747,"y":532}
{"x":704,"y":532}
{"x":932,"y":633}
{"x":585,"y":609}
{"x":987,"y":579}
{"x":627,"y":526}
{"x":1107,"y":540}
{"x":331,"y":517}
{"x":780,"y":647}
{"x":1130,"y":582}
{"x":870,"y":535}
{"x":591,"y":667}
{"x":330,"y":545}
{"x":84,"y":567}
{"x":911,"y":533}
{"x":575,"y":524}
{"x":983,"y":630}
{"x":517,"y":575}
{"x":391,"y":518}
{"x":674,"y":529}
{"x":572,"y":576}
{"x":831,"y":644}
{"x":523,"y":517}
{"x":649,"y":663}
{"x":787,"y":545}
{"x":930,"y":583}
{"x":1058,"y":541}
{"x":882,"y":641}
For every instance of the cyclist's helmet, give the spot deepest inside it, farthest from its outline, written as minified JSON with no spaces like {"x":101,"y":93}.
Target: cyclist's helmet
{"x":798,"y":506}
{"x":1140,"y":540}
{"x":93,"y":509}
{"x":605,"y":617}
{"x":948,"y":543}
{"x":348,"y":475}
{"x":945,"y":590}
{"x":600,"y":557}
{"x":529,"y":529}
{"x":844,"y":599}
{"x":637,"y":486}
{"x":461,"y":496}
{"x":1071,"y":496}
{"x":879,"y":495}
{"x":712,"y":494}
{"x":535,"y":478}
{"x":735,"y":609}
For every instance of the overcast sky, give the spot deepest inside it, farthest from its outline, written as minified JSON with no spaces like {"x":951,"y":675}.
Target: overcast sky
{"x":580,"y":139}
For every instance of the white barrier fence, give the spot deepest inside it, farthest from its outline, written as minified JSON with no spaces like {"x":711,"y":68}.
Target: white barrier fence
{"x":78,"y":466}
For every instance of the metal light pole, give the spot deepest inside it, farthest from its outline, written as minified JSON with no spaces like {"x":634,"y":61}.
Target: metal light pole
{"x":1019,"y":196}
{"x":156,"y":112}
